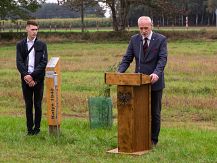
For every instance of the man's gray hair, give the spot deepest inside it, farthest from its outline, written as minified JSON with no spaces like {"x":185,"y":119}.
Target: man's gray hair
{"x":147,"y":18}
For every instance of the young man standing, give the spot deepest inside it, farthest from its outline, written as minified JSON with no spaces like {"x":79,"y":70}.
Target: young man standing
{"x":31,"y":60}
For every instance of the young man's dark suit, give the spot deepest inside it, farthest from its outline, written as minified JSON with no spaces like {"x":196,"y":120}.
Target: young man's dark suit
{"x":153,"y":61}
{"x":32,"y":95}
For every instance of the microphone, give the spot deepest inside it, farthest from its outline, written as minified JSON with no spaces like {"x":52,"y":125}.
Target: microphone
{"x":140,"y":47}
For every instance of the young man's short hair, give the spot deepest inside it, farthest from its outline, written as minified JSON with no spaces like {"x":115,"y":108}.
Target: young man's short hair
{"x":31,"y":22}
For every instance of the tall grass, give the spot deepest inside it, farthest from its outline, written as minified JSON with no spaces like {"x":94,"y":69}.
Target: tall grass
{"x":58,"y":24}
{"x":191,"y":80}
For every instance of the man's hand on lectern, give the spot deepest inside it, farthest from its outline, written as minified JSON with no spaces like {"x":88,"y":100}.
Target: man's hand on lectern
{"x":154,"y":78}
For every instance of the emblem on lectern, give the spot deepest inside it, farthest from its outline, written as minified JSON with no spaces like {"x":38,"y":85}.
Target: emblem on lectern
{"x":124,"y":98}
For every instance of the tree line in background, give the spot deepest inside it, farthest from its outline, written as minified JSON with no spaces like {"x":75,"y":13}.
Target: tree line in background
{"x":163,"y":12}
{"x":123,"y":12}
{"x":53,"y":10}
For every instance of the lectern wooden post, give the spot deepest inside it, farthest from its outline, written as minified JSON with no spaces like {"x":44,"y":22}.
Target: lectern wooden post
{"x":53,"y":95}
{"x":134,"y":112}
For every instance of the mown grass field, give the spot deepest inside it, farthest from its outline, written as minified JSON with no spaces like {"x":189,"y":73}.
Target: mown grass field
{"x":189,"y":115}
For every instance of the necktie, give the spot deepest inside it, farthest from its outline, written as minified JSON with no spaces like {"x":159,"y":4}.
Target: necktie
{"x":145,"y":46}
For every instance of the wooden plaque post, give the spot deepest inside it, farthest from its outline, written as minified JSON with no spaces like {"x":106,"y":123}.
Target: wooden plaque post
{"x":134,"y":112}
{"x":53,"y":95}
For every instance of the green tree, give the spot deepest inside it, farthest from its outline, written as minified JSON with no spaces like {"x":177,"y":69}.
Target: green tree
{"x":196,"y":9}
{"x":79,"y":6}
{"x":119,"y":10}
{"x":211,"y":7}
{"x":15,"y":9}
{"x":122,"y":10}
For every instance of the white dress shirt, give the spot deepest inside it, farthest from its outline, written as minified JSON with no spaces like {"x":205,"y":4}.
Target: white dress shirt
{"x":31,"y":63}
{"x":149,"y":38}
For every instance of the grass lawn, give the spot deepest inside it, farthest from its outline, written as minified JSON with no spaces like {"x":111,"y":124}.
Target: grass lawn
{"x":79,"y":143}
{"x":189,"y":115}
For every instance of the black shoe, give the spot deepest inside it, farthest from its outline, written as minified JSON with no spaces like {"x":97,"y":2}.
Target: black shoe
{"x":154,"y":143}
{"x":30,"y":133}
{"x":36,"y":131}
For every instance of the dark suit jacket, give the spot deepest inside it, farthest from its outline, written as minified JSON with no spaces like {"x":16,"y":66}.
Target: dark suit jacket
{"x":41,"y":58}
{"x":153,"y":61}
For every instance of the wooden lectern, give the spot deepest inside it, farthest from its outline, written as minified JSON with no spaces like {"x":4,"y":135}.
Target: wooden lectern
{"x":134,"y":112}
{"x":53,"y":95}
